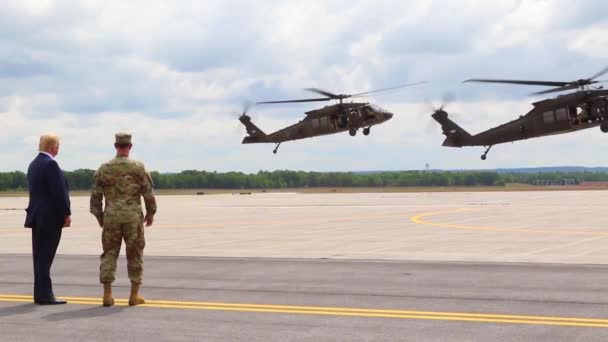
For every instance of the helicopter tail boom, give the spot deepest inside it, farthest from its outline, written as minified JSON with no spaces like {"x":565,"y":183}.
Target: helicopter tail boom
{"x":456,"y":136}
{"x":256,"y":135}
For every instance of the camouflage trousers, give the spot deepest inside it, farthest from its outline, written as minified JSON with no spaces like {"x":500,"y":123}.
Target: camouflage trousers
{"x":111,"y":239}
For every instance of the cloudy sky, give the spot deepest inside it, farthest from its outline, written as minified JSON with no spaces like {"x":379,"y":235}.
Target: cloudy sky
{"x":175,"y":74}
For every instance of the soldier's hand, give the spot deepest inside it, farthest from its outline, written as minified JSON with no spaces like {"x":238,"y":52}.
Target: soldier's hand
{"x":67,"y":221}
{"x":149,"y":220}
{"x":100,"y":221}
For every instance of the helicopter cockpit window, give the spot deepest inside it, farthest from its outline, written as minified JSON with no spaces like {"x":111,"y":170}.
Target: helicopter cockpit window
{"x":376,"y":108}
{"x":561,"y":114}
{"x":315,"y":123}
{"x":548,"y":117}
{"x":368,"y":111}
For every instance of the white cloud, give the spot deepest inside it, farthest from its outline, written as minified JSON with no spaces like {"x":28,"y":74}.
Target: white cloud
{"x":175,"y":74}
{"x":591,"y":42}
{"x":529,"y":19}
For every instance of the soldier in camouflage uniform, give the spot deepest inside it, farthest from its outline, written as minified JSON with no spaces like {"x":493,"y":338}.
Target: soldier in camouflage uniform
{"x":122,"y":181}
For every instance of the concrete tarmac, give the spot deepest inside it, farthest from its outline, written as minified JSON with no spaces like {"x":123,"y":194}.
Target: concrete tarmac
{"x":553,"y":227}
{"x":516,"y":266}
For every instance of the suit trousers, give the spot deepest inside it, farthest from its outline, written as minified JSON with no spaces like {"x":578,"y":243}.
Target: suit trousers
{"x":45,"y":240}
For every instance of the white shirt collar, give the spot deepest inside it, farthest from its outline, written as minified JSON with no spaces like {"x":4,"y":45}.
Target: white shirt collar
{"x":48,"y":154}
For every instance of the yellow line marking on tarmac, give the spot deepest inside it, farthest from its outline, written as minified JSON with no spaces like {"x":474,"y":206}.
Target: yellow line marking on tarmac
{"x":421,"y":219}
{"x":342,"y":311}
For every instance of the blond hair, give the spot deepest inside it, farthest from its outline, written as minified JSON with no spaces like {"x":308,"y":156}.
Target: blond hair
{"x":47,"y":142}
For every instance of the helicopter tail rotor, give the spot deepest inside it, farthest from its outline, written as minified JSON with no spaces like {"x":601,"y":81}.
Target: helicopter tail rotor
{"x":243,"y":115}
{"x":246,"y":107}
{"x":255,"y":134}
{"x":446,"y":100}
{"x":455,"y":136}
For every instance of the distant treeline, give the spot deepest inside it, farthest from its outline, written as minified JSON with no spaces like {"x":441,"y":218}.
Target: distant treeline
{"x":81,"y":179}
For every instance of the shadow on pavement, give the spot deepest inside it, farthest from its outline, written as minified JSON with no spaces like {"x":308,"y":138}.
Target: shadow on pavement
{"x":17,"y":310}
{"x":90,"y":312}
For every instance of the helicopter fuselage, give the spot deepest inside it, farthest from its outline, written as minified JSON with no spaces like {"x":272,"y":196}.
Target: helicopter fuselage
{"x":563,"y":114}
{"x":327,"y":120}
{"x":337,"y":118}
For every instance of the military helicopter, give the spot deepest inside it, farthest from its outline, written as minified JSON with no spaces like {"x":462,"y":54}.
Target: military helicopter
{"x":585,"y":108}
{"x":336,"y":118}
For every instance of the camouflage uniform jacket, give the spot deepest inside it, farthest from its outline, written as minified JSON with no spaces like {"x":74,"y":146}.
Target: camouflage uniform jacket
{"x":122,"y":182}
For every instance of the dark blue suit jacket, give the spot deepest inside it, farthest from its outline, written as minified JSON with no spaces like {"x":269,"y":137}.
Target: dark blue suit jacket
{"x":49,"y":194}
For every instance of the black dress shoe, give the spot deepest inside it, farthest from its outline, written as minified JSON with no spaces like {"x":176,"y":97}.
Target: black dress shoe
{"x":53,"y":301}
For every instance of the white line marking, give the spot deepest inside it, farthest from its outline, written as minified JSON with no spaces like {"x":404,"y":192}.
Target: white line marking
{"x":573,"y":243}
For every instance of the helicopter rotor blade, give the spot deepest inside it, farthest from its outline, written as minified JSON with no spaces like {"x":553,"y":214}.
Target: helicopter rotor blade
{"x":386,"y":89}
{"x":556,"y":90}
{"x":296,"y":101}
{"x":324,"y":93}
{"x":601,"y":73}
{"x":521,"y":82}
{"x":557,"y":86}
{"x":332,"y":96}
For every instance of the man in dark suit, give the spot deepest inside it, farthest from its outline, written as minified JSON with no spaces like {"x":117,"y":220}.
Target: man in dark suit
{"x":47,"y":213}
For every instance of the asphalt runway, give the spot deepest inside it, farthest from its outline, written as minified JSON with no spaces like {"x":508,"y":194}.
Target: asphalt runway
{"x":256,"y":299}
{"x":516,"y":266}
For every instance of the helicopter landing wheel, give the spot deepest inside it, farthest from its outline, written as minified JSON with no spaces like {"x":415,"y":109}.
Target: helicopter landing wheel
{"x":352,"y":132}
{"x":276,"y":148}
{"x":484,"y":156}
{"x":366,"y":131}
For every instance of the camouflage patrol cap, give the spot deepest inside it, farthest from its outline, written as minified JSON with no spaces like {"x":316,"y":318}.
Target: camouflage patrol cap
{"x":123,"y":138}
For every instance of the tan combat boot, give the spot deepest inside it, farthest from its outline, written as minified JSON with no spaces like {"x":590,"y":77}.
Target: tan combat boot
{"x":108,"y":300}
{"x":135,"y":298}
